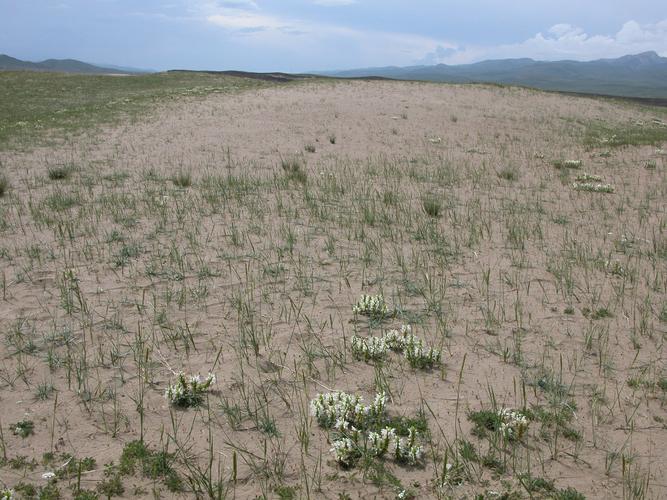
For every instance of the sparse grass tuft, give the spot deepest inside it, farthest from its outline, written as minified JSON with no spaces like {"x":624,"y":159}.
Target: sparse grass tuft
{"x":4,"y":185}
{"x":508,"y":173}
{"x":432,"y":206}
{"x":182,"y":179}
{"x":294,"y":169}
{"x":60,"y":172}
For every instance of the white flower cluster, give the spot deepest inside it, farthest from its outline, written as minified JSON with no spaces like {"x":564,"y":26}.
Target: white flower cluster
{"x":397,"y":339}
{"x":371,"y":305}
{"x":568,"y":163}
{"x":189,"y":390}
{"x":613,"y":139}
{"x":378,"y":443}
{"x":345,"y":451}
{"x":406,"y":449}
{"x":348,"y":416}
{"x":403,"y":449}
{"x":588,"y":178}
{"x":346,"y":411}
{"x":369,"y":349}
{"x":593,"y":187}
{"x":7,"y":494}
{"x":403,"y":340}
{"x":513,"y":424}
{"x":419,"y":355}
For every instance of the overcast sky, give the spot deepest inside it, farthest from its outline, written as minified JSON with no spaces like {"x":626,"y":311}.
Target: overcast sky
{"x":301,"y":35}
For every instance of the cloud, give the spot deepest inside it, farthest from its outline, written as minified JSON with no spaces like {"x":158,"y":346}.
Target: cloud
{"x":234,"y":4}
{"x":565,"y":41}
{"x":242,"y":20}
{"x":334,"y":3}
{"x":258,"y":27}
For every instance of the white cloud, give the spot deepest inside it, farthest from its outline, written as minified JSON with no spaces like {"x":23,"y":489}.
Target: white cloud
{"x":564,"y":41}
{"x":334,"y":3}
{"x":237,"y":19}
{"x":254,"y":26}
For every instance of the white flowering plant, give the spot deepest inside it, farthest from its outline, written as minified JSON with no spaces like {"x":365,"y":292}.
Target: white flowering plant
{"x":513,"y":424}
{"x":397,"y":339}
{"x":419,"y":355}
{"x":407,"y":449}
{"x":372,"y":306}
{"x":568,"y":164}
{"x":363,"y":429}
{"x":593,"y":187}
{"x":413,"y":348}
{"x":189,"y":391}
{"x":588,"y":178}
{"x":345,"y":451}
{"x":369,"y":349}
{"x":7,"y":494}
{"x":509,"y":423}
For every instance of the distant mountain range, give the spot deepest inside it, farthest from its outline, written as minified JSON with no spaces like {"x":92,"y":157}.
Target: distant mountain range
{"x":640,"y":75}
{"x":8,"y":63}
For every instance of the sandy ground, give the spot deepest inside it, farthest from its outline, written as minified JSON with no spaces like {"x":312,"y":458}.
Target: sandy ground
{"x":255,"y":278}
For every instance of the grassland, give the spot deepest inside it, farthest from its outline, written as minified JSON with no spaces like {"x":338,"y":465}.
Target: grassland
{"x":35,"y":105}
{"x":214,"y":225}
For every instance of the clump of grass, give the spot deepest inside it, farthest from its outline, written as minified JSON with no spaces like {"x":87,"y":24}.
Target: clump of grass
{"x":60,"y":172}
{"x":294,"y":170}
{"x":432,"y":206}
{"x":4,"y":185}
{"x":310,"y":148}
{"x":332,"y":138}
{"x":182,"y":179}
{"x":508,"y":173}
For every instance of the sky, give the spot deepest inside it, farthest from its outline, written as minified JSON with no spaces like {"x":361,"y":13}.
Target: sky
{"x":308,"y":35}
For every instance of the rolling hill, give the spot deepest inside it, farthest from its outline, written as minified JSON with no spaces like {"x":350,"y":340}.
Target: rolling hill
{"x":640,"y":75}
{"x":8,"y":63}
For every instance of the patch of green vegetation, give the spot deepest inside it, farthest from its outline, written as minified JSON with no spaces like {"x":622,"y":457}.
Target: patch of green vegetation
{"x":432,"y":206}
{"x":137,"y":457}
{"x":567,"y":494}
{"x":34,"y":103}
{"x":403,"y":424}
{"x":24,"y":428}
{"x":286,"y":492}
{"x":85,"y":495}
{"x":484,"y":421}
{"x":112,"y":484}
{"x":29,"y":491}
{"x":632,"y":134}
{"x":60,"y":172}
{"x":4,"y":185}
{"x":508,"y":173}
{"x":600,"y":313}
{"x":182,"y":179}
{"x":74,"y":466}
{"x":294,"y":169}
